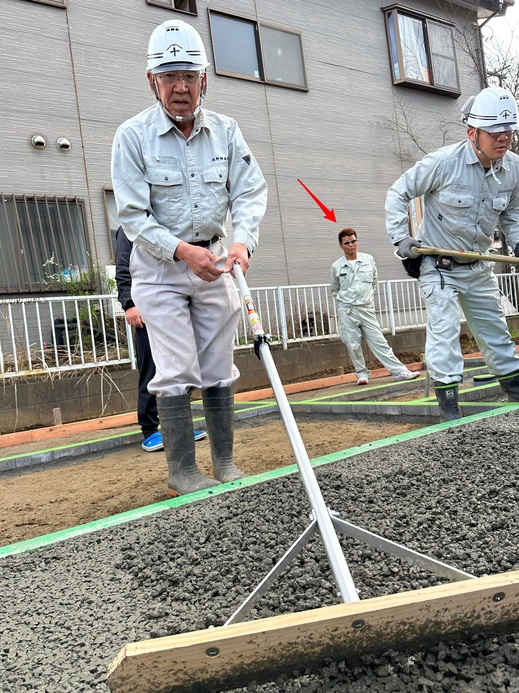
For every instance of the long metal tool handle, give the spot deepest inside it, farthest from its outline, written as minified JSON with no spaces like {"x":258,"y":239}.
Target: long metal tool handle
{"x":465,"y":255}
{"x":341,"y":572}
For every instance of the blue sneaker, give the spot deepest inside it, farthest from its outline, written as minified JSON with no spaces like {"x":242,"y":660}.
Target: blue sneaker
{"x":200,"y":434}
{"x":153,"y":442}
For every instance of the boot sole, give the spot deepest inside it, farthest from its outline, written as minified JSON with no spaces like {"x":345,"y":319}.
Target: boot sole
{"x":173,"y":493}
{"x":231,"y":478}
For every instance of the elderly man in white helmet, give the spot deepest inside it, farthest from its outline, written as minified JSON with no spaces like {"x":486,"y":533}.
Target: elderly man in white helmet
{"x":177,"y":170}
{"x":469,"y":188}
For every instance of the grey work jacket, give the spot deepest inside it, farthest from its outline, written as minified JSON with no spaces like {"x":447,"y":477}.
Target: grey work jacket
{"x":170,"y":189}
{"x":463,"y":203}
{"x":354,"y":285}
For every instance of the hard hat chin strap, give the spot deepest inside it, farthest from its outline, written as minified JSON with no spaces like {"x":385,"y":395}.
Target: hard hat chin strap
{"x":480,"y":151}
{"x":181,"y":119}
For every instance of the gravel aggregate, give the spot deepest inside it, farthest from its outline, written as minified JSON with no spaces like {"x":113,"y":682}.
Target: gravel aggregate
{"x":66,"y":610}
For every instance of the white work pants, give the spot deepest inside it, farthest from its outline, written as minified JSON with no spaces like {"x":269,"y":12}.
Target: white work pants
{"x":191,"y":323}
{"x":356,"y":322}
{"x":474,"y":288}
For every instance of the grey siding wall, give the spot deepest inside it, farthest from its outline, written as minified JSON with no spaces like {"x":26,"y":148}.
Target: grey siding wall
{"x":79,"y":73}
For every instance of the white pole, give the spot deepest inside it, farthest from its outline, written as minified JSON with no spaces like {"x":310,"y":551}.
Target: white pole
{"x":348,"y":592}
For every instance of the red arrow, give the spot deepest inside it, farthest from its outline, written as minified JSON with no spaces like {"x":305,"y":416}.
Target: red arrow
{"x":328,"y":213}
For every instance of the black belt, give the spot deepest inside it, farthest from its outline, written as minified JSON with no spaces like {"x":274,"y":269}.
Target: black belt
{"x":453,"y":259}
{"x":206,"y":244}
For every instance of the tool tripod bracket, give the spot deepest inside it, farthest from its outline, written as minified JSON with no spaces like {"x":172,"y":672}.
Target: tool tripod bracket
{"x":260,"y":339}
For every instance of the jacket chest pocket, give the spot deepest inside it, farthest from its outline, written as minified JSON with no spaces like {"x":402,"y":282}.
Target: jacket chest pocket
{"x":492,"y":207}
{"x":457,"y":207}
{"x":166,"y":185}
{"x":215,"y":193}
{"x":365,"y":275}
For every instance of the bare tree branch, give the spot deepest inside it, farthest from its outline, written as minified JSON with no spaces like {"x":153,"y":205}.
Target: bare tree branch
{"x":413,"y":140}
{"x":497,"y":64}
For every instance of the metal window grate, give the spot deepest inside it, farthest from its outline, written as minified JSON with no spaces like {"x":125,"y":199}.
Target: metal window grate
{"x":43,"y":242}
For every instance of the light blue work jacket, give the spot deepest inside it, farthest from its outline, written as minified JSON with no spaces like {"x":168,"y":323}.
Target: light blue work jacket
{"x":170,"y":189}
{"x":463,"y":202}
{"x":354,"y":285}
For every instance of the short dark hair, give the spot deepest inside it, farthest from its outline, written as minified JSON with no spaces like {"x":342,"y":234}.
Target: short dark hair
{"x":346,"y":232}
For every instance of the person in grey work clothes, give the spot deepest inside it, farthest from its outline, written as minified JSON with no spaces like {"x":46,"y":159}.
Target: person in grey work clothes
{"x":177,"y":170}
{"x":353,"y":281}
{"x":468,"y":188}
{"x":147,"y":414}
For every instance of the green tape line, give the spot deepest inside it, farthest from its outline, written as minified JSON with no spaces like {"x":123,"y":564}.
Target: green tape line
{"x":138,"y":513}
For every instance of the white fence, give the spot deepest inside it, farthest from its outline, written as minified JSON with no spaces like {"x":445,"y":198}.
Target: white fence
{"x":57,"y":334}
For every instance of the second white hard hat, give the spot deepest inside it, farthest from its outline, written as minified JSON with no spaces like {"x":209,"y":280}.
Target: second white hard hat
{"x":494,"y":109}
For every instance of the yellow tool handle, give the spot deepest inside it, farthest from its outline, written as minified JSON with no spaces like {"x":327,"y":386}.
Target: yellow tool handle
{"x":465,"y":255}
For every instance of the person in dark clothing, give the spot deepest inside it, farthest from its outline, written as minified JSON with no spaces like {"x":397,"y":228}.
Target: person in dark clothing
{"x":147,"y":414}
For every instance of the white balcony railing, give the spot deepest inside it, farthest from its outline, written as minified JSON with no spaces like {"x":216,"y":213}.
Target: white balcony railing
{"x":64,"y":333}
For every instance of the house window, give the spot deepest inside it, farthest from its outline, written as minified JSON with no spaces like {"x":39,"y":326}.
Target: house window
{"x":187,"y":6}
{"x":257,"y":51}
{"x":421,"y":51}
{"x":43,"y":242}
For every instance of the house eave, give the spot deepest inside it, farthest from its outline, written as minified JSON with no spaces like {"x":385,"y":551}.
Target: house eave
{"x":485,"y":8}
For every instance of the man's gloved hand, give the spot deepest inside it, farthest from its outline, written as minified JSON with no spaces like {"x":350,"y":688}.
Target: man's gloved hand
{"x":405,"y":246}
{"x":516,"y":250}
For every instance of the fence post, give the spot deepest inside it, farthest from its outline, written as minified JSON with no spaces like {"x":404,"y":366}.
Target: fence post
{"x":282,"y":317}
{"x":389,"y":304}
{"x":131,"y":350}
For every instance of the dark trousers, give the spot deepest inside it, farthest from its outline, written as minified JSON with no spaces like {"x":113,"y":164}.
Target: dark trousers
{"x":147,"y":414}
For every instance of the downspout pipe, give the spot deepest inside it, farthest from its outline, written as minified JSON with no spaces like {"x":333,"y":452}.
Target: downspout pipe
{"x":481,"y":51}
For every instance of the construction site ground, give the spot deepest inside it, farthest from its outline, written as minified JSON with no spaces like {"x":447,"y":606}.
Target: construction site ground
{"x":38,"y":499}
{"x":77,"y":477}
{"x":419,"y":487}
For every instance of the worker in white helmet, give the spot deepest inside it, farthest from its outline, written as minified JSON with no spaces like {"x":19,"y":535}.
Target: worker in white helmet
{"x":177,"y":170}
{"x":354,"y":278}
{"x":468,"y":188}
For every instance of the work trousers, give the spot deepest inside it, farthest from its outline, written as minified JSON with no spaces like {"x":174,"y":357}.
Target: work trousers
{"x":191,"y":323}
{"x":472,"y":288}
{"x":147,"y":414}
{"x":356,"y":322}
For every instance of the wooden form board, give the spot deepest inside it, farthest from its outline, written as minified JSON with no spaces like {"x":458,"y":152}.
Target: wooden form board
{"x":38,"y":434}
{"x":234,"y":655}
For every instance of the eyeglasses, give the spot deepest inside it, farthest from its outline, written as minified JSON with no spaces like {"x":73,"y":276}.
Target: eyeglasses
{"x":349,"y":242}
{"x":170,"y":78}
{"x":496,"y":135}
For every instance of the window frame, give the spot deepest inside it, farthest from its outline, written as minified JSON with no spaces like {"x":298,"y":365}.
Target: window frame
{"x":55,"y":3}
{"x":25,"y":245}
{"x":164,"y":4}
{"x":108,"y":191}
{"x":415,"y":211}
{"x":427,"y":20}
{"x":260,"y":51}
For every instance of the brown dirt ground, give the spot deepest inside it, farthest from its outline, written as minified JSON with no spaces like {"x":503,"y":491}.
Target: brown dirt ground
{"x":38,"y":501}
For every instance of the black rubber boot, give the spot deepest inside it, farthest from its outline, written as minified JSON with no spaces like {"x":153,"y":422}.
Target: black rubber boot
{"x":447,"y":396}
{"x":510,"y":384}
{"x":176,"y":426}
{"x":219,"y":419}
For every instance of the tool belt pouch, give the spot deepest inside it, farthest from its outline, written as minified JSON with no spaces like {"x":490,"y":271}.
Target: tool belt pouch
{"x":412,"y":266}
{"x":444,"y":263}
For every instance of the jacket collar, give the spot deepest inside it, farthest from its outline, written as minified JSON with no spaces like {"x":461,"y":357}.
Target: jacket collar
{"x":165,"y":124}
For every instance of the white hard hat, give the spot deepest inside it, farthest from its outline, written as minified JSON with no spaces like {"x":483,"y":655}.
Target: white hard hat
{"x":494,"y":109}
{"x":175,"y":45}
